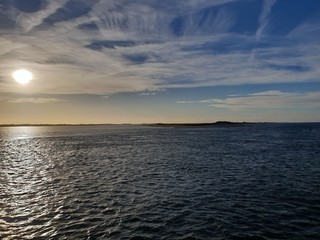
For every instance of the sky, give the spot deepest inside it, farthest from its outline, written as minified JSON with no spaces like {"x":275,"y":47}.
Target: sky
{"x":152,"y":61}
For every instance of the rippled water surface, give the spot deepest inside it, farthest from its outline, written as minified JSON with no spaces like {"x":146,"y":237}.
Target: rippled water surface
{"x":132,"y":182}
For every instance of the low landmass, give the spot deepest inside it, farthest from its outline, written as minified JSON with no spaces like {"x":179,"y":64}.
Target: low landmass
{"x":214,"y":124}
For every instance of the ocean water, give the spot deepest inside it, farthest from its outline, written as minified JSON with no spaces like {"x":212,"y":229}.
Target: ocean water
{"x":136,"y":182}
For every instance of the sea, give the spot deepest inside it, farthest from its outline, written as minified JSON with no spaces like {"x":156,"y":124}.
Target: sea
{"x":247,"y":181}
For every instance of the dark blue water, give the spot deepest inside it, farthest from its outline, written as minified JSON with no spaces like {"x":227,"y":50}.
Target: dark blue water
{"x":105,"y":182}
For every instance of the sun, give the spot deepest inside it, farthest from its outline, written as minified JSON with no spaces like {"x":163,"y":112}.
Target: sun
{"x":22,"y":76}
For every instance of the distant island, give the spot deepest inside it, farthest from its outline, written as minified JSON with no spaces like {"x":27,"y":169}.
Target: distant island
{"x":214,"y":124}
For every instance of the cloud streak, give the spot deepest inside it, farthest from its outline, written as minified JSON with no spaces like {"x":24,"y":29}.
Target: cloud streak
{"x":30,"y":20}
{"x":135,"y":46}
{"x":263,"y":18}
{"x":264,"y":100}
{"x":35,"y":100}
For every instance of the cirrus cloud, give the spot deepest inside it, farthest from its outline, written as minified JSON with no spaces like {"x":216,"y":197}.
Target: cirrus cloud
{"x":106,"y":47}
{"x":264,"y":100}
{"x":35,"y":100}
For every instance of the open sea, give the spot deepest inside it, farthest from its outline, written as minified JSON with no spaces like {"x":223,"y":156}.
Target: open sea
{"x":252,"y":182}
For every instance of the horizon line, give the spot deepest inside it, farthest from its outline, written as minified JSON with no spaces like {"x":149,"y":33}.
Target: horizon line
{"x":156,"y":123}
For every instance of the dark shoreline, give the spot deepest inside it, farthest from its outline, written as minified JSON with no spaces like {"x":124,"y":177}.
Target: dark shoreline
{"x":218,"y":123}
{"x":215,"y":124}
{"x":176,"y":125}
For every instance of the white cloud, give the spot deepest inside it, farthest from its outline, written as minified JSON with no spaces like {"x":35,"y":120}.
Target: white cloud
{"x":263,"y":18}
{"x":263,"y":23}
{"x":268,"y":93}
{"x":147,"y":94}
{"x":309,"y":28}
{"x":35,"y":100}
{"x":61,"y":64}
{"x":30,"y":20}
{"x":265,"y":100}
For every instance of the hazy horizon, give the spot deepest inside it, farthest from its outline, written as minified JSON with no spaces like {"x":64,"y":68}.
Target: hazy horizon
{"x":142,"y":123}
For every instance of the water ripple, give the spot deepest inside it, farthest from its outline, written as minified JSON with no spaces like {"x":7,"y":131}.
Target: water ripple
{"x":255,"y":182}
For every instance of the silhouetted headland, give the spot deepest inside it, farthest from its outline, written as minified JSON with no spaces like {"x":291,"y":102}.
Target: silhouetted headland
{"x":214,"y":124}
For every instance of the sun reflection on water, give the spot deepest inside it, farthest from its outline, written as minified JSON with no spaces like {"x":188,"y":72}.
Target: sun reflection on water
{"x":24,"y":178}
{"x":22,"y":132}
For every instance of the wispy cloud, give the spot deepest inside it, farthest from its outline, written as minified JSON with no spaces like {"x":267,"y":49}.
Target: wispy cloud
{"x":263,"y":18}
{"x":309,"y":28}
{"x":262,"y":23}
{"x":269,"y":93}
{"x":147,"y":94}
{"x":35,"y":100}
{"x":264,"y":100}
{"x":30,"y":20}
{"x":135,"y":46}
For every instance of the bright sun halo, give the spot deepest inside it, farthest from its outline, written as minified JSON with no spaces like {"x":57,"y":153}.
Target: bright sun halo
{"x":22,"y":76}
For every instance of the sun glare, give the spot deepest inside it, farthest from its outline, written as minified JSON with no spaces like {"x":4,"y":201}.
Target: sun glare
{"x":22,"y":76}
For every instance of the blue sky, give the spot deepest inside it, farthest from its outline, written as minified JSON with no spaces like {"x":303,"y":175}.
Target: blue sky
{"x":120,"y":61}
